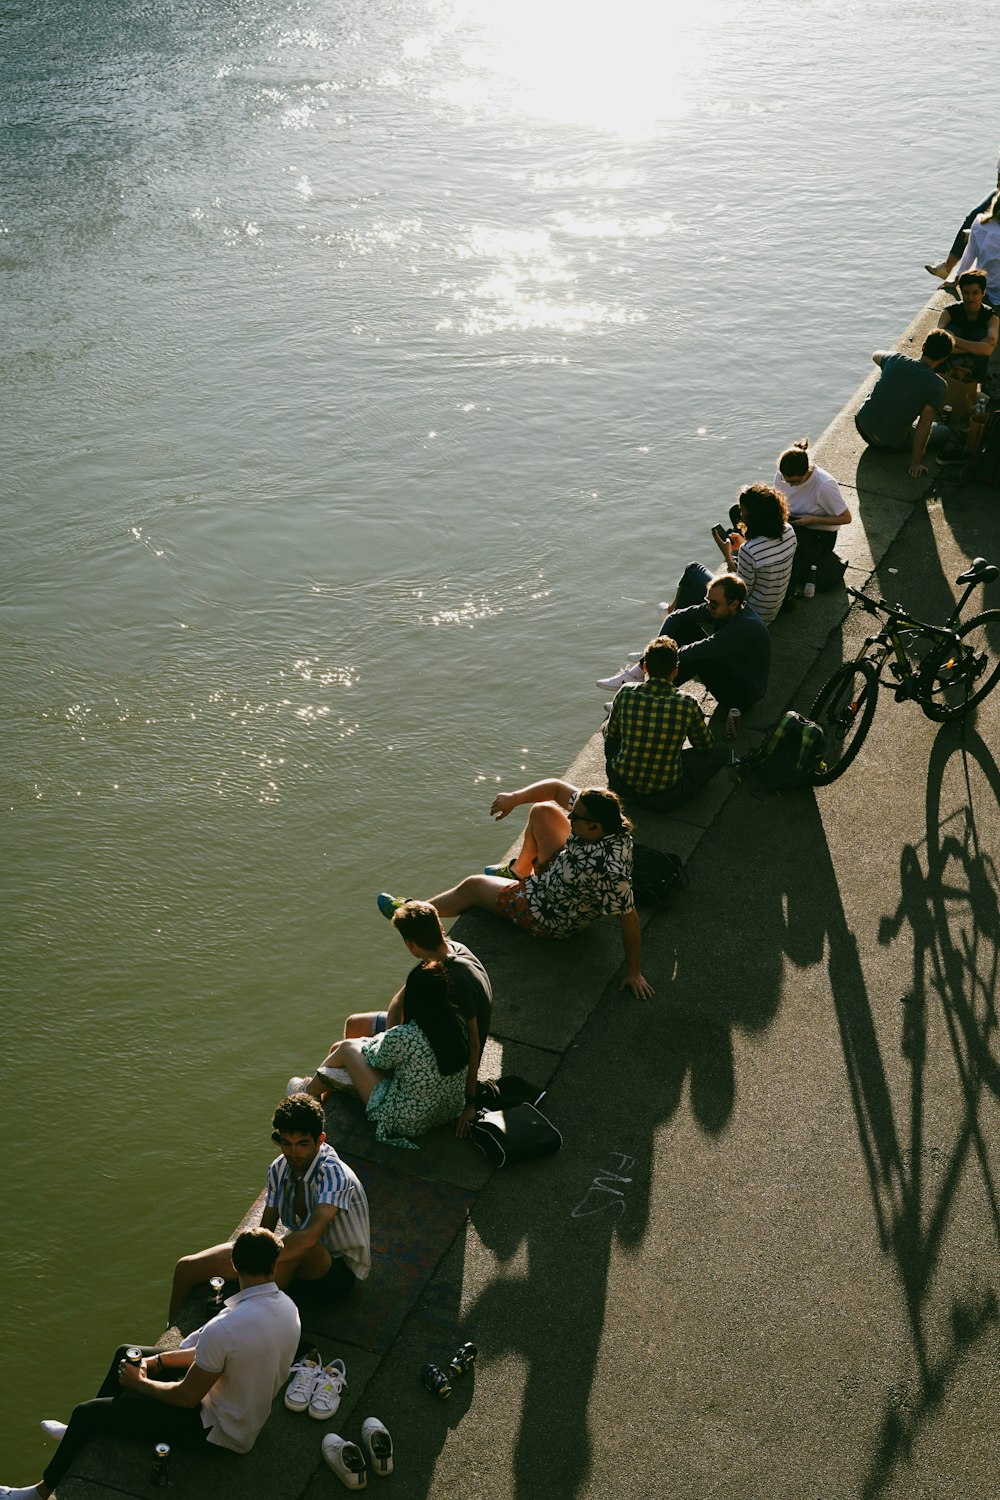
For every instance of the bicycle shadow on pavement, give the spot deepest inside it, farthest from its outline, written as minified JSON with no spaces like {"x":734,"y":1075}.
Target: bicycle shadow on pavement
{"x":950,"y":902}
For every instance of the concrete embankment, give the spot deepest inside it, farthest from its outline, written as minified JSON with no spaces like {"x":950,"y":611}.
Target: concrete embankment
{"x":764,"y":1264}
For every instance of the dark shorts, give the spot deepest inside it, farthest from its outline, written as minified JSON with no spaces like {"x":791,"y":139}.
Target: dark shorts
{"x":334,"y":1286}
{"x":380,"y":1022}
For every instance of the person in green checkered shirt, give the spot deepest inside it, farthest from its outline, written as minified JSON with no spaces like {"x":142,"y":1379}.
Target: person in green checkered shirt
{"x":649,"y":724}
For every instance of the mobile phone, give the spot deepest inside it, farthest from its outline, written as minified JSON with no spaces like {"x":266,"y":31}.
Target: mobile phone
{"x":720,"y":533}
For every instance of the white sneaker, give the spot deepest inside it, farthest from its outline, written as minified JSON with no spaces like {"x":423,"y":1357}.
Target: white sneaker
{"x":627,"y":674}
{"x":346,"y":1461}
{"x":303,"y":1382}
{"x":297,"y":1085}
{"x":53,"y":1430}
{"x":337,"y":1078}
{"x":330,"y":1386}
{"x":377,"y":1443}
{"x":26,"y":1492}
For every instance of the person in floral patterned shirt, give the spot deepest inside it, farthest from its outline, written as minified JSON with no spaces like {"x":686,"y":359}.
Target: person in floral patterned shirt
{"x":574,"y":866}
{"x":410,"y":1077}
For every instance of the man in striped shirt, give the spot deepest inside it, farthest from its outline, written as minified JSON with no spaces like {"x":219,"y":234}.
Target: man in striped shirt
{"x":316,"y":1197}
{"x":646,"y":732}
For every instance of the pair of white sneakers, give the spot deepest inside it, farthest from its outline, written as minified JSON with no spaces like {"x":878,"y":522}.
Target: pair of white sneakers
{"x":315,"y":1387}
{"x":350,"y":1464}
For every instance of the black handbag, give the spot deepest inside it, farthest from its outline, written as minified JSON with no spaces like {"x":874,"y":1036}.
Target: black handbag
{"x":514,"y":1134}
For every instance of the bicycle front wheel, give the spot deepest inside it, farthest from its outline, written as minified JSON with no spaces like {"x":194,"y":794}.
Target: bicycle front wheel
{"x":959,"y":674}
{"x":844,"y":711}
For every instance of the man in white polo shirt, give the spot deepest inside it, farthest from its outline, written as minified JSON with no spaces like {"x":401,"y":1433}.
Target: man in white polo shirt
{"x":217,"y":1391}
{"x":320,"y":1202}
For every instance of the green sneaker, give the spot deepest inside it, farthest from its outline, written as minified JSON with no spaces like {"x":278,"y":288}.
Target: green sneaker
{"x":504,"y":871}
{"x":387,"y":904}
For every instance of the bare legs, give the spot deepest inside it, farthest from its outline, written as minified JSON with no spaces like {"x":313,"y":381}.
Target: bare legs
{"x":193,"y":1270}
{"x":347,"y":1054}
{"x":546,"y":831}
{"x":360,"y":1025}
{"x":308,"y":1264}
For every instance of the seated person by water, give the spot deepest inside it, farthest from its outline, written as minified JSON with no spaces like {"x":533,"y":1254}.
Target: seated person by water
{"x":419,"y":925}
{"x":900,"y":410}
{"x":973,"y":325}
{"x":219,"y":1391}
{"x":646,"y":731}
{"x":723,"y":643}
{"x":983,"y":251}
{"x":761,"y":551}
{"x":816,"y":508}
{"x":316,"y":1197}
{"x":574,"y":866}
{"x":947,"y":266}
{"x":414,"y":1075}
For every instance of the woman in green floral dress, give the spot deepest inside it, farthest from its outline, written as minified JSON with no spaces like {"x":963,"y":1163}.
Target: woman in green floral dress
{"x":411,"y":1077}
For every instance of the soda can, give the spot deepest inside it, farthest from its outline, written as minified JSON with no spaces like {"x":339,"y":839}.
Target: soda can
{"x":462,"y":1360}
{"x":159,"y":1475}
{"x":436,"y":1381}
{"x":217,"y":1284}
{"x":133,"y":1356}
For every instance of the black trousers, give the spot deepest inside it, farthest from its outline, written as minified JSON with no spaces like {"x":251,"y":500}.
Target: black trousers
{"x":118,"y":1413}
{"x":697,"y":769}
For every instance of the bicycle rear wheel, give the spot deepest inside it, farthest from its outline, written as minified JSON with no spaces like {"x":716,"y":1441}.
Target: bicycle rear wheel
{"x":844,"y":710}
{"x":956,"y":677}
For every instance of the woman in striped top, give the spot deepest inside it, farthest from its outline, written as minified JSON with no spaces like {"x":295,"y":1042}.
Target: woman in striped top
{"x":765,"y":559}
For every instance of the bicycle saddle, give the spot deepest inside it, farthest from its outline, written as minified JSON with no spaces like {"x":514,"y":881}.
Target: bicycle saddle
{"x":978,"y":571}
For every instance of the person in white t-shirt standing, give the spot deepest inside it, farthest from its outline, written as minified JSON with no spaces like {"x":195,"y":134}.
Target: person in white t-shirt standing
{"x":217,"y":1391}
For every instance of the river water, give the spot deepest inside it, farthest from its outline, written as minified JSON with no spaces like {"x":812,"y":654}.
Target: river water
{"x":369,"y":374}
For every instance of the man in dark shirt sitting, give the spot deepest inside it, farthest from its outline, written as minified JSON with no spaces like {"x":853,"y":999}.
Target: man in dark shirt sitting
{"x":900,"y":410}
{"x":973,"y":325}
{"x":724,"y":643}
{"x":647,"y":727}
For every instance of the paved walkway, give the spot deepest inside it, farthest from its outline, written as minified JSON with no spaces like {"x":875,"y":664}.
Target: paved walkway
{"x":765,"y":1263}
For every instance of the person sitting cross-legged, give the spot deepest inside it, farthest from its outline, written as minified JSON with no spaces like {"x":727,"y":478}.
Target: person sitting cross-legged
{"x":574,"y":866}
{"x":217,"y":1392}
{"x":644,"y":739}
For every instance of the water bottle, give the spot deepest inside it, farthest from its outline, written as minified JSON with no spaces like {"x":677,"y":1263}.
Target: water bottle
{"x":809,"y":589}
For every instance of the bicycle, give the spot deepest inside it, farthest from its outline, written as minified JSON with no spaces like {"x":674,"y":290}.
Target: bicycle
{"x":951,"y":676}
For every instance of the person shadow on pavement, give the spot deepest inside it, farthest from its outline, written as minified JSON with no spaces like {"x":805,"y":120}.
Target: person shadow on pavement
{"x":552,"y":1228}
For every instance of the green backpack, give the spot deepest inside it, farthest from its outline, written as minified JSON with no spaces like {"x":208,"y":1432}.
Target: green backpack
{"x":788,"y":758}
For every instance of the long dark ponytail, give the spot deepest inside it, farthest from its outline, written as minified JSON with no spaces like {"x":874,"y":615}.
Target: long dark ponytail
{"x":427,"y":1001}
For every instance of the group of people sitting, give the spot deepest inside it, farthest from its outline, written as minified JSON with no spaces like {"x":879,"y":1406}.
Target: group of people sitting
{"x":659,"y":748}
{"x":415,"y":1065}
